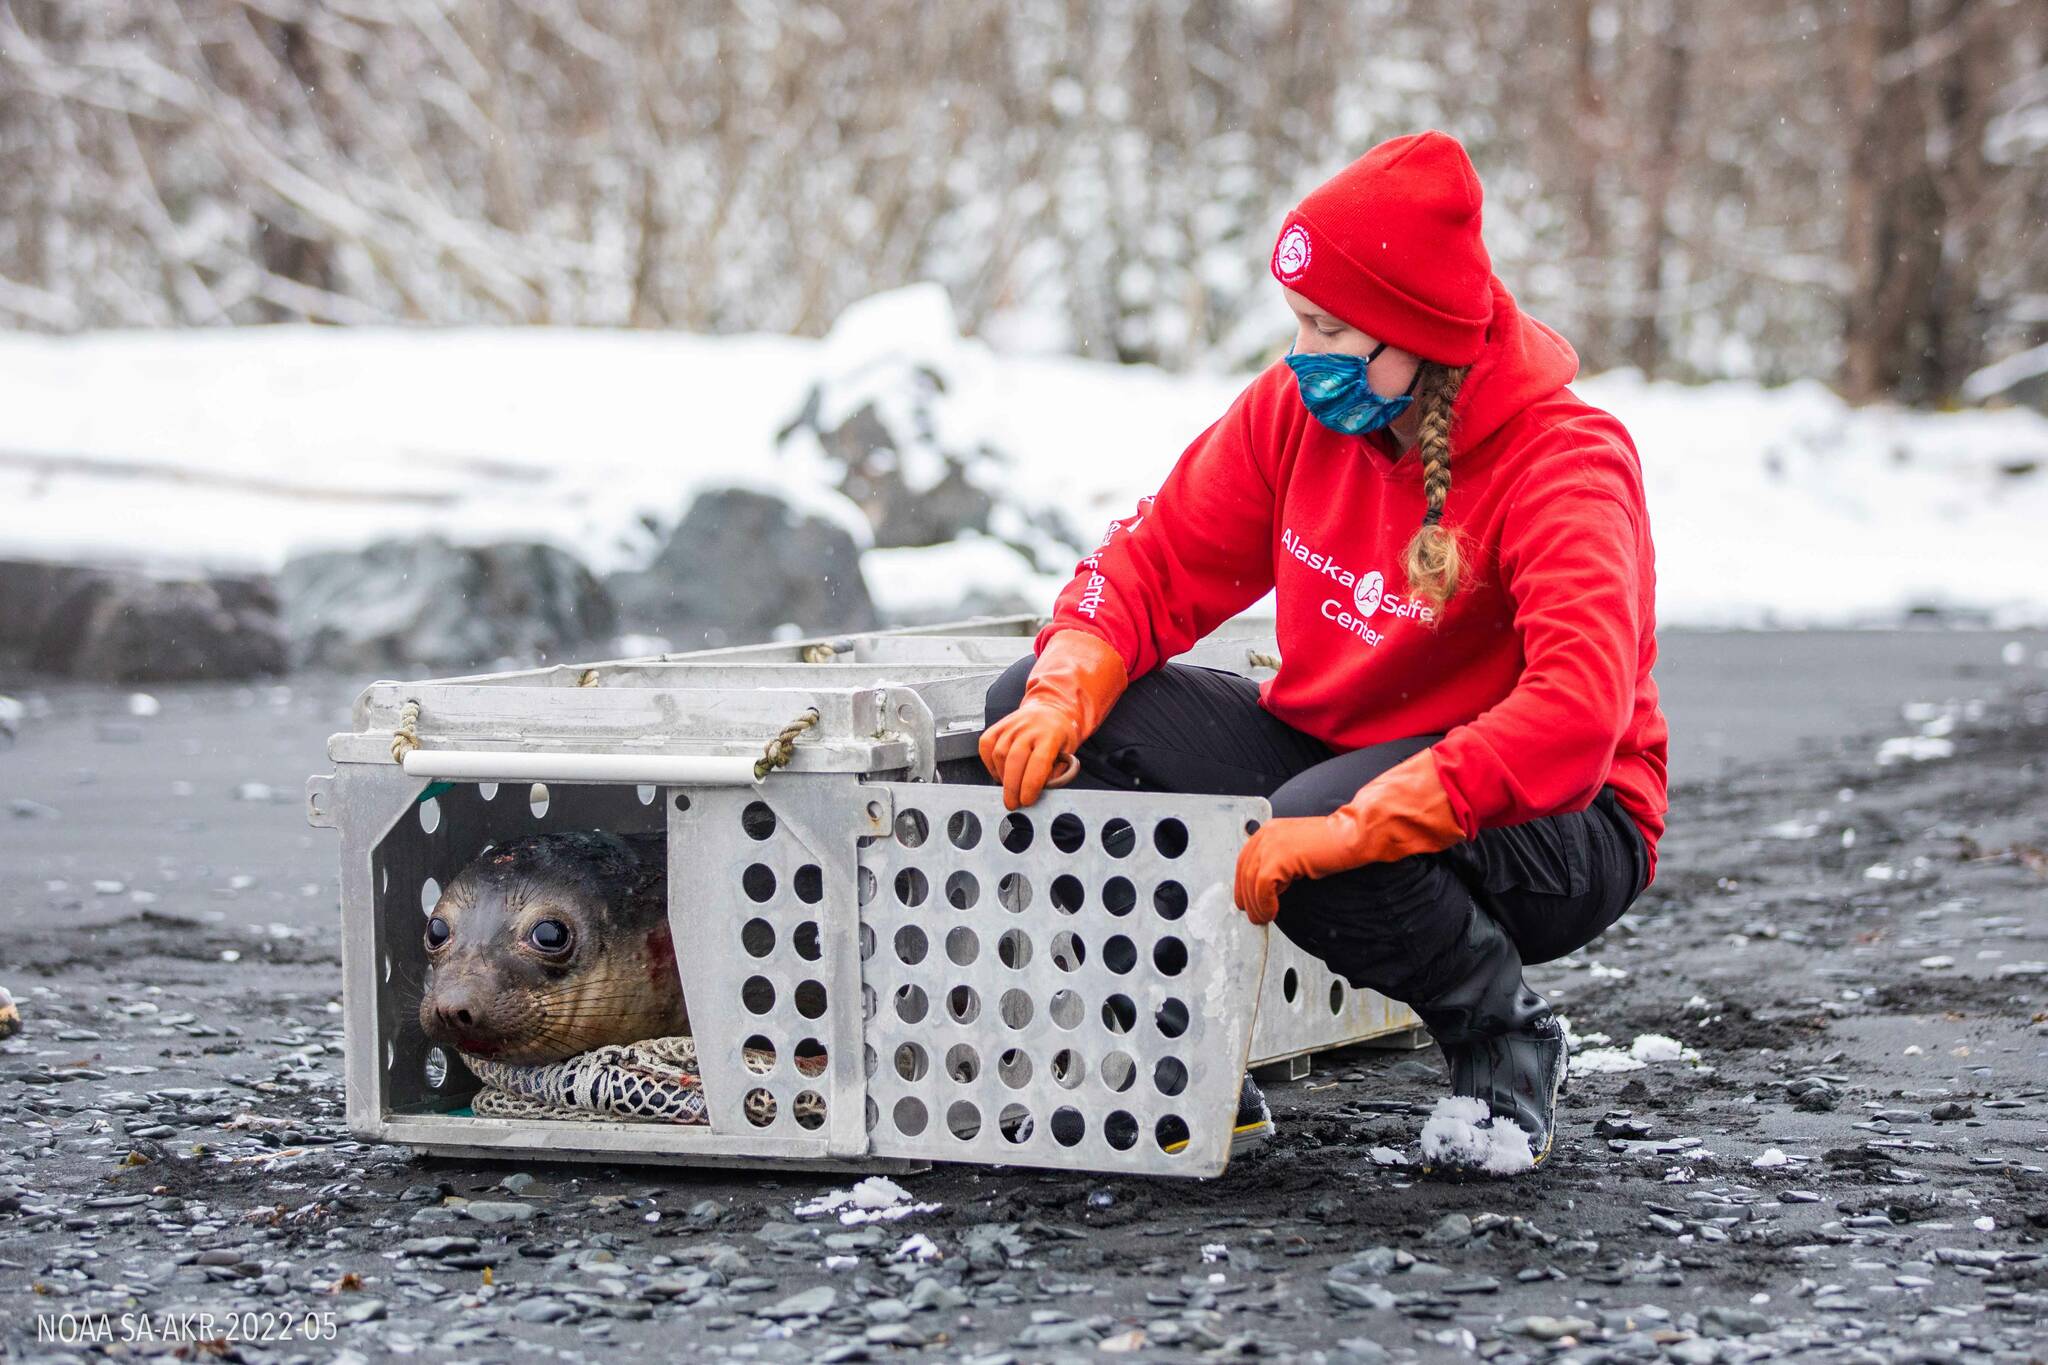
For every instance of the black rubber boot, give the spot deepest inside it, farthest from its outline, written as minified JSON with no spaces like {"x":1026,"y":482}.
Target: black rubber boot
{"x":1500,"y":1041}
{"x":1252,"y":1126}
{"x":1254,"y":1118}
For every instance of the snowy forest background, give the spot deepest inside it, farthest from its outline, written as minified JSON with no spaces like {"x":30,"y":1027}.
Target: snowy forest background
{"x":1848,"y":190}
{"x":670,"y":321}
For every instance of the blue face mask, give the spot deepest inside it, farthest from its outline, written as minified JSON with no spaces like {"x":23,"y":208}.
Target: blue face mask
{"x":1335,"y":391}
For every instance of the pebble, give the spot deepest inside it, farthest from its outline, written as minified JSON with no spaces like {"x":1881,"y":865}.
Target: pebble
{"x":810,"y":1303}
{"x":438,"y":1247}
{"x":1549,"y":1329}
{"x":1352,"y":1294}
{"x":1721,"y":1321}
{"x":490,"y":1211}
{"x":1450,"y":1229}
{"x":542,"y":1310}
{"x":1378,"y":1262}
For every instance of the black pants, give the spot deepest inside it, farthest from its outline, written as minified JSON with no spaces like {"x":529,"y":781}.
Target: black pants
{"x":1553,"y":884}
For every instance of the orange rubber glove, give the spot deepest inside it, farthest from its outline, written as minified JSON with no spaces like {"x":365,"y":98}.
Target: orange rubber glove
{"x":1401,"y":812}
{"x":1077,"y":678}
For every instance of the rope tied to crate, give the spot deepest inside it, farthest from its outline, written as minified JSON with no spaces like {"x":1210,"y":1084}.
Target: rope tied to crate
{"x":819,"y":654}
{"x":406,"y":737}
{"x":1258,"y":659}
{"x":782,"y":748}
{"x":589,"y":678}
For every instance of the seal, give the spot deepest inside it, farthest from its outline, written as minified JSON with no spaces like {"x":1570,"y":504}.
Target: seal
{"x":551,"y":945}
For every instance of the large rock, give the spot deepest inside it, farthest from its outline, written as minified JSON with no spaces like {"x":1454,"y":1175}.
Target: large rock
{"x":28,"y":590}
{"x":912,"y":492}
{"x":740,"y":564}
{"x":882,"y":423}
{"x":123,"y":626}
{"x":402,"y":605}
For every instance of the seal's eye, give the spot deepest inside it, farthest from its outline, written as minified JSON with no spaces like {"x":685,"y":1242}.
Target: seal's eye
{"x":549,"y":935}
{"x":437,"y":932}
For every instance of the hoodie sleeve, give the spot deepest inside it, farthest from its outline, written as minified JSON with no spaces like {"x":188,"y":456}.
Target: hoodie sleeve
{"x":1190,"y":557}
{"x":1571,"y":565}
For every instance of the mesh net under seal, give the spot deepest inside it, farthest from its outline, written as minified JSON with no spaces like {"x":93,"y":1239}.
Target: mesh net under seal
{"x":652,"y":1081}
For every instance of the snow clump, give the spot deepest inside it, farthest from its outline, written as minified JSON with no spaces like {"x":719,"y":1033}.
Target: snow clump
{"x":875,"y":1199}
{"x":1462,"y":1131}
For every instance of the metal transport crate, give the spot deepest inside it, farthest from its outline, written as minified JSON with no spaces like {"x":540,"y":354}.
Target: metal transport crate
{"x":1064,"y":986}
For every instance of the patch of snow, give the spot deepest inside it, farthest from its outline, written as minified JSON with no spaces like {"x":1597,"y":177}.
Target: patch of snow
{"x":231,"y":448}
{"x":1792,"y":829}
{"x":1770,"y":1160}
{"x":923,"y":579}
{"x":1914,"y":749}
{"x":1386,"y":1156}
{"x":916,"y":1247}
{"x":1574,"y":1040}
{"x":1462,"y":1131}
{"x":142,"y":704}
{"x":875,"y":1199}
{"x":1656,"y":1047}
{"x":1604,"y":1060}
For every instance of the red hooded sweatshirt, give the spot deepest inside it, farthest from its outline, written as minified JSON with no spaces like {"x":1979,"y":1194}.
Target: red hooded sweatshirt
{"x":1538,"y":673}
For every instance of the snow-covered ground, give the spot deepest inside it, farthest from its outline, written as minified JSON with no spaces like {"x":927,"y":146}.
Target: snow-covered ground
{"x":232,"y":448}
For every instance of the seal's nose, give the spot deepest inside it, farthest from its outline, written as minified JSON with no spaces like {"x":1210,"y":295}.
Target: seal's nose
{"x":456,"y":1008}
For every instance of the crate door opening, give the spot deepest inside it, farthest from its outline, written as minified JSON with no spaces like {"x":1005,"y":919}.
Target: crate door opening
{"x":450,"y":826}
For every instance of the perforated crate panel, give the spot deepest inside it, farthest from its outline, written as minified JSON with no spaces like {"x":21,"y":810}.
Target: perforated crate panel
{"x":1068,"y":985}
{"x":1305,"y":1008}
{"x":761,"y":907}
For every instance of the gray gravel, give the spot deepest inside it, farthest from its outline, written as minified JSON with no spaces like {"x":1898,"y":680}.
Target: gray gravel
{"x":1854,"y":1168}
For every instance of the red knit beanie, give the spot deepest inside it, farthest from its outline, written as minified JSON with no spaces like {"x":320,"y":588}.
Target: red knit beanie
{"x":1390,"y":244}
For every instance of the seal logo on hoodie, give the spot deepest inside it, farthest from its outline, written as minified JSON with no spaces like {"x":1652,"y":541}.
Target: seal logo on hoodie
{"x":1290,"y":258}
{"x":1366,"y":596}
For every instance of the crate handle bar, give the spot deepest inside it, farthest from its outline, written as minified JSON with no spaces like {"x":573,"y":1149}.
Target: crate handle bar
{"x":503,"y":765}
{"x":495,"y":765}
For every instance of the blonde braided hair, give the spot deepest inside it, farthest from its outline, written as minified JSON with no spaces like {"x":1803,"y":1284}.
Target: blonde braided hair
{"x":1432,"y":559}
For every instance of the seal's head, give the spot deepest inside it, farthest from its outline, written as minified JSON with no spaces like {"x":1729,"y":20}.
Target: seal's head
{"x":551,"y":945}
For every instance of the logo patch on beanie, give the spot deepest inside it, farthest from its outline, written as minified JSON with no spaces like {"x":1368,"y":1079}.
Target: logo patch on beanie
{"x":1290,"y":258}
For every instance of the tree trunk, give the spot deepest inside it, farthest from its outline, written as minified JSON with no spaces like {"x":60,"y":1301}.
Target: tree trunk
{"x":1647,"y":343}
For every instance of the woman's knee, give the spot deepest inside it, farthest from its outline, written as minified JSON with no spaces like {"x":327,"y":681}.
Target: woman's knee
{"x":1377,"y":925}
{"x":1331,"y":783}
{"x":1006,"y":693}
